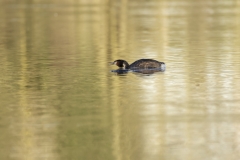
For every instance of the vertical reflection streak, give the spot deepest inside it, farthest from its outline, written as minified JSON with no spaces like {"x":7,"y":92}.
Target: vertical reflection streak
{"x":114,"y":37}
{"x":25,"y":114}
{"x":32,"y":140}
{"x":151,"y":127}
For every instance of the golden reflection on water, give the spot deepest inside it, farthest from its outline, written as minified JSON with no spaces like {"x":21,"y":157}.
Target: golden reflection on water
{"x":32,"y":142}
{"x":70,"y":104}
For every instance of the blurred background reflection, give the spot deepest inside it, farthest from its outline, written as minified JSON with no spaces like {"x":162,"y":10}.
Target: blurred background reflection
{"x":60,"y":100}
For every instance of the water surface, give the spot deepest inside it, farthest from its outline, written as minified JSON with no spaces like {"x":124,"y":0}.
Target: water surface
{"x":60,"y":100}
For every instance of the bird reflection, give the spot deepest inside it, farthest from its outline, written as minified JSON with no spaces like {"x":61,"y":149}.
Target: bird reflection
{"x":140,"y":71}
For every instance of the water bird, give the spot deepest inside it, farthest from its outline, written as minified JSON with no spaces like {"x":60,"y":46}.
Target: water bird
{"x":140,"y":64}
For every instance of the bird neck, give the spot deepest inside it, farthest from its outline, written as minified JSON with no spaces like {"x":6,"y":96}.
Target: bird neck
{"x":126,"y":65}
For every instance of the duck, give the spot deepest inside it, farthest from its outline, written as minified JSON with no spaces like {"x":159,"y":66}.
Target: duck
{"x":140,"y":64}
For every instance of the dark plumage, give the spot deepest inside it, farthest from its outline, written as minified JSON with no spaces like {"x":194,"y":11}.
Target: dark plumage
{"x":140,"y":64}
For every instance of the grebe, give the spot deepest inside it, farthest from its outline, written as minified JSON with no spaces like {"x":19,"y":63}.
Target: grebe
{"x":140,"y":64}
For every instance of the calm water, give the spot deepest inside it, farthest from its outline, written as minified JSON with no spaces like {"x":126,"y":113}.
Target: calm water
{"x":60,"y":101}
